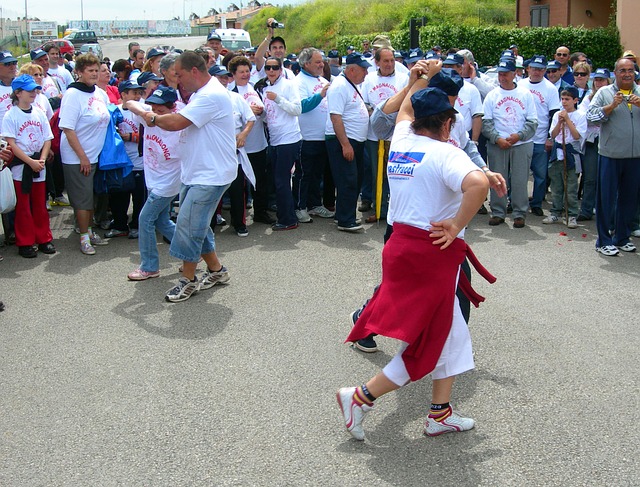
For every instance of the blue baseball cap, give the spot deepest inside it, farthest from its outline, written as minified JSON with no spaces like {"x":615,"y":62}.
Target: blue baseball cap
{"x":453,"y":59}
{"x":431,"y":55}
{"x":25,"y":82}
{"x":129,"y":85}
{"x":538,"y":61}
{"x":448,"y":80}
{"x":162,"y":95}
{"x":507,"y":53}
{"x":602,"y":73}
{"x":573,"y":91}
{"x":505,"y":65}
{"x":333,"y":54}
{"x":414,"y":56}
{"x":37,"y":54}
{"x":430,"y":101}
{"x":216,"y":70}
{"x":357,"y":58}
{"x":214,"y":37}
{"x":148,"y":76}
{"x":154,"y":51}
{"x":554,"y":65}
{"x":7,"y":57}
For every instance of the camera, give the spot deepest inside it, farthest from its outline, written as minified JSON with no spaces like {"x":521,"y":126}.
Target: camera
{"x":3,"y":144}
{"x":276,"y":25}
{"x":626,"y":98}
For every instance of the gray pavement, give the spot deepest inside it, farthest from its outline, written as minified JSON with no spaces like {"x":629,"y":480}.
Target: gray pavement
{"x":117,"y":48}
{"x":104,"y":383}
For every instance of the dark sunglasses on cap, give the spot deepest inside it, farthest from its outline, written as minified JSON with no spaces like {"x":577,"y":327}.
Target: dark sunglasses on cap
{"x":580,"y":74}
{"x":271,"y":67}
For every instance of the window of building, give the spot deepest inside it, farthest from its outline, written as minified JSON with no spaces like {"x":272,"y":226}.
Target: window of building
{"x":540,"y":16}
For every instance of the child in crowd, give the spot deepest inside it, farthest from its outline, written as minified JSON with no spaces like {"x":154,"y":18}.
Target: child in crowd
{"x":574,"y":124}
{"x":27,"y":130}
{"x":162,"y":174}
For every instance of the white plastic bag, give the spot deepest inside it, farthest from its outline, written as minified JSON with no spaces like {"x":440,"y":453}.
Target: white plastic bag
{"x":7,"y":191}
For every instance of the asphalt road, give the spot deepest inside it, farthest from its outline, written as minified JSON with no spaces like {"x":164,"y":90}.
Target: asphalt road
{"x":104,"y":383}
{"x":117,"y":48}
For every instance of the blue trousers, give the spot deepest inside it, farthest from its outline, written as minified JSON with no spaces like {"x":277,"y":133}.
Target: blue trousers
{"x":285,"y":157}
{"x":539,"y":165}
{"x":347,"y":176}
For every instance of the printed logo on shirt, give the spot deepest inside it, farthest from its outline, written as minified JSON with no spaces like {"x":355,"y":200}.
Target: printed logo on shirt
{"x":402,"y":164}
{"x":538,"y":95}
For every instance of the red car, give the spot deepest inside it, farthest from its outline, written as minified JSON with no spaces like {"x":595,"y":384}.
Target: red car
{"x":64,"y":45}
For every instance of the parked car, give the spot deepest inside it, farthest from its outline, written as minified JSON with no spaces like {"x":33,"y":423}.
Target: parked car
{"x":80,"y":37}
{"x":64,"y":45}
{"x":92,"y":48}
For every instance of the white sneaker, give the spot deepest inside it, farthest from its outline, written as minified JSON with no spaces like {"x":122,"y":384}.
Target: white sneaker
{"x":352,"y":412}
{"x":573,"y":222}
{"x":551,"y":219}
{"x":452,"y":424}
{"x":183,"y":291}
{"x":86,"y":248}
{"x":322,"y":212}
{"x":210,"y":279}
{"x":628,"y":247}
{"x":636,"y":233}
{"x":608,"y":250}
{"x":303,"y":216}
{"x":96,"y":240}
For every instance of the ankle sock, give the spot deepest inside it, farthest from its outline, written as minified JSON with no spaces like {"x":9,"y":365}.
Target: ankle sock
{"x":440,"y":412}
{"x":361,"y":398}
{"x":84,"y":237}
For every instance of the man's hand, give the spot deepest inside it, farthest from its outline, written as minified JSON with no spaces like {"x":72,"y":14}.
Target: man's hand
{"x":323,"y":93}
{"x":617,"y":99}
{"x":6,"y":155}
{"x":256,"y":109}
{"x":347,"y":152}
{"x":504,"y":144}
{"x":634,"y":100}
{"x":497,"y":183}
{"x":513,"y":138}
{"x":272,"y":95}
{"x":241,"y":139}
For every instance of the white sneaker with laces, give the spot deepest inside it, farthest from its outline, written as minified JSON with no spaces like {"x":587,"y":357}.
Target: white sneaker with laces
{"x":636,"y":233}
{"x":96,"y":240}
{"x":322,"y":212}
{"x":573,"y":222}
{"x":210,"y":279}
{"x":628,"y":247}
{"x":183,"y":291}
{"x":86,"y":248}
{"x":352,"y":412}
{"x":608,"y":250}
{"x":303,"y":216}
{"x":551,"y":219}
{"x":452,"y":424}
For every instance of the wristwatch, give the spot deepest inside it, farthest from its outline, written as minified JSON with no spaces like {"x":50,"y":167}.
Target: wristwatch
{"x":152,"y":120}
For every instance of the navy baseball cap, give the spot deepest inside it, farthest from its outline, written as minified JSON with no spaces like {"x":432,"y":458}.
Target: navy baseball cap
{"x":292,"y":57}
{"x":129,"y":85}
{"x":154,"y":51}
{"x":602,"y":73}
{"x":37,"y":54}
{"x":25,"y":82}
{"x":216,"y":70}
{"x":507,"y":53}
{"x":448,"y":80}
{"x":431,"y":55}
{"x":162,"y":95}
{"x":7,"y":57}
{"x":554,"y":65}
{"x":214,"y":37}
{"x":148,"y":76}
{"x":357,"y":58}
{"x":505,"y":65}
{"x":573,"y":91}
{"x":333,"y":54}
{"x":538,"y":61}
{"x":414,"y":56}
{"x":453,"y":59}
{"x":430,"y":101}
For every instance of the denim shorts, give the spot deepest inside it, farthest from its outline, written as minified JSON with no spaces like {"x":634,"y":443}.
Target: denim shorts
{"x":193,"y":236}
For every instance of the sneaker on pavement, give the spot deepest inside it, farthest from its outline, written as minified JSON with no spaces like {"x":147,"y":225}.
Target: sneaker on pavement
{"x":452,"y":424}
{"x":242,"y":232}
{"x":133,"y":233}
{"x":537,"y":211}
{"x":367,"y":344}
{"x":86,"y":248}
{"x":183,"y":291}
{"x":211,"y":278}
{"x":303,"y":216}
{"x":636,"y":233}
{"x":220,"y":221}
{"x":551,"y":219}
{"x":60,"y":201}
{"x":105,"y":224}
{"x":352,"y":412}
{"x":279,"y":227}
{"x":114,"y":232}
{"x":322,"y":212}
{"x":96,"y":240}
{"x":628,"y":247}
{"x":140,"y":275}
{"x":608,"y":250}
{"x":351,"y":227}
{"x":573,"y":222}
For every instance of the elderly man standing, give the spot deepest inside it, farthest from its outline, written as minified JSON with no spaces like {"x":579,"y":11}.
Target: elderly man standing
{"x":209,"y":166}
{"x":616,"y":108}
{"x":547,"y":103}
{"x":313,"y":154}
{"x":345,"y":133}
{"x":214,"y":42}
{"x":379,"y":86}
{"x":509,"y":123}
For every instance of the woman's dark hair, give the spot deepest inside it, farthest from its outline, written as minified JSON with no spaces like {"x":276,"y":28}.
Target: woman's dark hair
{"x":14,"y":96}
{"x":85,"y":60}
{"x":434,"y":123}
{"x":277,"y":59}
{"x":122,"y":65}
{"x":228,"y":57}
{"x":238,"y":61}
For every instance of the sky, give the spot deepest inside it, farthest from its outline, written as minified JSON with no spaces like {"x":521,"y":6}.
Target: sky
{"x":116,"y":9}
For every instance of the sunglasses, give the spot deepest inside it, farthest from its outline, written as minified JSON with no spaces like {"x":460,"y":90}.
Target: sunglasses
{"x":580,"y":74}
{"x":13,"y":63}
{"x":269,"y":67}
{"x":562,"y":54}
{"x":552,"y":71}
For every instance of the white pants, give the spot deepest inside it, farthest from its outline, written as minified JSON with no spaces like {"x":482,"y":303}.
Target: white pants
{"x":456,"y":356}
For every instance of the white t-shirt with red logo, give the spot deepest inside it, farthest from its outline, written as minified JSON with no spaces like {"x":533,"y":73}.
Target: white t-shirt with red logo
{"x":62,"y":76}
{"x":5,"y":100}
{"x":31,"y":131}
{"x":42,"y":102}
{"x":546,"y":98}
{"x":376,"y":89}
{"x":256,"y":140}
{"x":344,"y":100}
{"x":313,"y":122}
{"x":49,"y":87}
{"x":509,"y":110}
{"x":282,"y":113}
{"x":468,"y":103}
{"x":131,"y":126}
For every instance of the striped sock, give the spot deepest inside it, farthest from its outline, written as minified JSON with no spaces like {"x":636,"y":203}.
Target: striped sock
{"x":360,"y":398}
{"x":440,"y":412}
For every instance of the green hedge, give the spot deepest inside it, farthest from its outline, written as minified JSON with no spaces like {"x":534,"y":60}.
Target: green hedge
{"x":601,"y":45}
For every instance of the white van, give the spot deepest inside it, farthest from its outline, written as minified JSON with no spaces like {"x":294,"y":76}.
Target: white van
{"x":234,"y":39}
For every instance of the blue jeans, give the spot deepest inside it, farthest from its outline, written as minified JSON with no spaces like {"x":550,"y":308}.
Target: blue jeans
{"x":284,"y":158}
{"x":539,"y":165}
{"x":193,"y":236}
{"x":307,"y":179}
{"x":347,"y":176}
{"x":154,"y":216}
{"x":589,"y":177}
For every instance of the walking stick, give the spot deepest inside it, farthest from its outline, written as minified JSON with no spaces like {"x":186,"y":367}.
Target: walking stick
{"x":379,"y":179}
{"x":566,"y":176}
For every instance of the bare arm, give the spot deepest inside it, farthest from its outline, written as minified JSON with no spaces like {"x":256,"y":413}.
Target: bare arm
{"x":241,"y":138}
{"x":263,"y":47}
{"x":428,"y":68}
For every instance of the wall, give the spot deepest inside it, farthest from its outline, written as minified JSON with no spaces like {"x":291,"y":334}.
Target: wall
{"x":558,"y":11}
{"x":600,"y":10}
{"x":628,"y":20}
